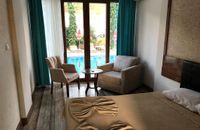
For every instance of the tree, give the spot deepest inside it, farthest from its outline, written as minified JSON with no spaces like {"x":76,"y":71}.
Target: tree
{"x":113,"y":22}
{"x":66,"y":36}
{"x":71,"y":30}
{"x":93,"y":37}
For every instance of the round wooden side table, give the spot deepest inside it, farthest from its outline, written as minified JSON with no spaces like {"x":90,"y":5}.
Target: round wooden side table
{"x":88,"y":73}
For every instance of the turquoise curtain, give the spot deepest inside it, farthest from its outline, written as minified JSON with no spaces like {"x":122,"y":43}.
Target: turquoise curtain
{"x":125,"y":29}
{"x":39,"y":50}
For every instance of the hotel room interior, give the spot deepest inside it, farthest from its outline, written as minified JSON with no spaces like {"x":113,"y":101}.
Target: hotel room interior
{"x":99,"y":65}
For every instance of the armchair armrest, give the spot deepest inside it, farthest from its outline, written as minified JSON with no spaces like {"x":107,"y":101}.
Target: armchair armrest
{"x":106,"y":67}
{"x":131,"y":78}
{"x":69,"y":68}
{"x":58,"y":75}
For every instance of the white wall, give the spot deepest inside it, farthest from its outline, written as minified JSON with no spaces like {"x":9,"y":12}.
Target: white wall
{"x":24,"y":5}
{"x":9,"y":108}
{"x":23,"y":41}
{"x":150,"y":35}
{"x":16,"y":70}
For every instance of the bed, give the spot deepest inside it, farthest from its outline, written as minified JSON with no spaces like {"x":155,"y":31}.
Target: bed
{"x":147,"y":111}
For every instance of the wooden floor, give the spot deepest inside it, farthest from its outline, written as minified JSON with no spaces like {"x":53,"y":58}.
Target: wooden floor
{"x":48,"y":109}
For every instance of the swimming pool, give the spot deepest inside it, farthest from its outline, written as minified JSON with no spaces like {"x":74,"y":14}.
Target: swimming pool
{"x":95,"y":61}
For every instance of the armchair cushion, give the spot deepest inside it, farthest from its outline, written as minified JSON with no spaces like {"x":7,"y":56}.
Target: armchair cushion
{"x":64,"y":73}
{"x":71,"y":76}
{"x":58,"y":75}
{"x":54,"y":62}
{"x":106,"y":67}
{"x":131,"y":78}
{"x":110,"y":80}
{"x":121,"y":82}
{"x":69,"y":68}
{"x":123,"y":62}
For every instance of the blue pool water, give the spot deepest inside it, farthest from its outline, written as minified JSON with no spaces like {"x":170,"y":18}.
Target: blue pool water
{"x":97,"y":60}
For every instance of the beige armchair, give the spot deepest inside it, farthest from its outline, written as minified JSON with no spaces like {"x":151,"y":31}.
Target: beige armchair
{"x":63,"y":73}
{"x":122,"y":76}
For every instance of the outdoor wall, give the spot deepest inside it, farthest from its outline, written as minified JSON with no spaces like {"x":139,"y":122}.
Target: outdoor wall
{"x":150,"y":35}
{"x":9,"y":107}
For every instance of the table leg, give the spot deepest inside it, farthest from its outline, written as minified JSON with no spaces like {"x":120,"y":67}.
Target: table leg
{"x":88,"y":84}
{"x":95,"y":84}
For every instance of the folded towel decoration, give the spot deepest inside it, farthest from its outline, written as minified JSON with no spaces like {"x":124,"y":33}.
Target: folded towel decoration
{"x":118,"y":125}
{"x":81,"y":109}
{"x":86,"y":126}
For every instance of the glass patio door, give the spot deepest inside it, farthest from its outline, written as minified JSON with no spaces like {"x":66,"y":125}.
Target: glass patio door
{"x":74,"y":32}
{"x":89,"y":33}
{"x":97,"y":34}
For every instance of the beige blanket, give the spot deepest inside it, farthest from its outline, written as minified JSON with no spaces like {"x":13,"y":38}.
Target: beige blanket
{"x":149,"y":111}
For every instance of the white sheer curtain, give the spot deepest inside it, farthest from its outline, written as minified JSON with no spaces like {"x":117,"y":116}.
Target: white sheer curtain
{"x":53,"y":27}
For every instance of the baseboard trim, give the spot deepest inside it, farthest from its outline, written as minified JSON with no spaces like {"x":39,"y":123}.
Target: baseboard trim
{"x":19,"y":126}
{"x":150,"y":89}
{"x":24,"y":121}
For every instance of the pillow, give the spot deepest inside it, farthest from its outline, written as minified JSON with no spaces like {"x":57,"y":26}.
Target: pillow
{"x":198,"y":108}
{"x":185,"y":97}
{"x":123,"y":62}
